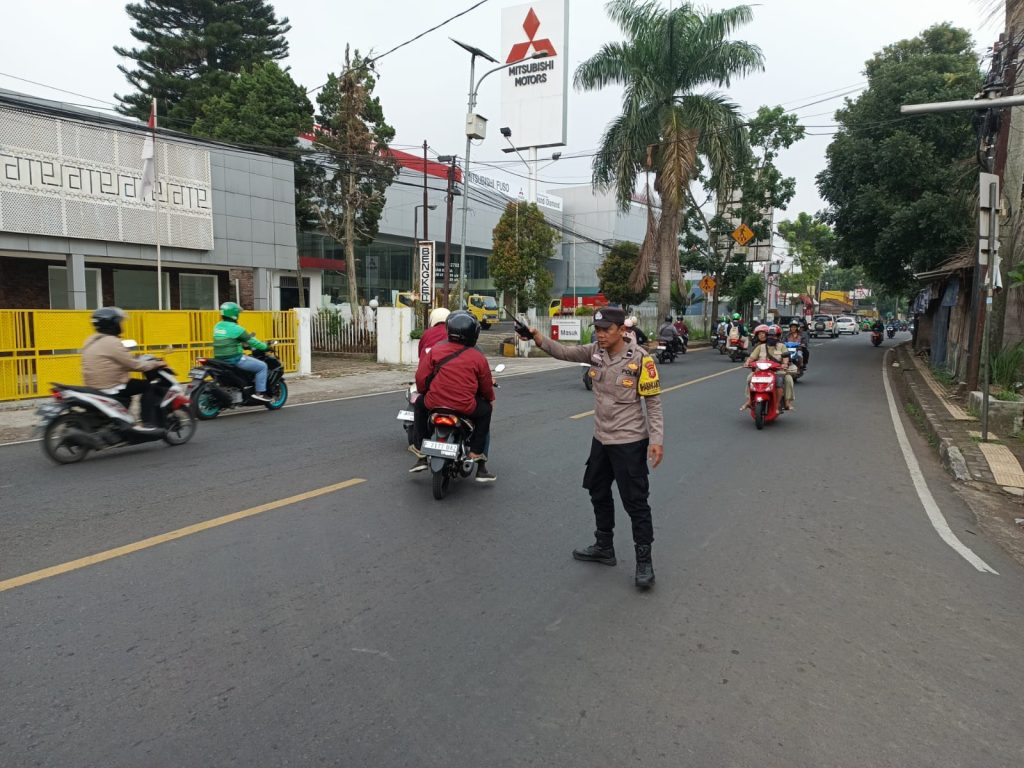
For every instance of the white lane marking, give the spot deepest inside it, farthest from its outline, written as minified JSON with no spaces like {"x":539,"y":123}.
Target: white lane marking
{"x":921,"y":486}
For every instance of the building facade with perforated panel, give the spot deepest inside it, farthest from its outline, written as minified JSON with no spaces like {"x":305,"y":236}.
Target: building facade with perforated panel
{"x":77,"y":232}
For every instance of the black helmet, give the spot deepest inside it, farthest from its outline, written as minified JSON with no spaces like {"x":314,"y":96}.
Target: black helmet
{"x":463,"y":328}
{"x":108,"y":320}
{"x":668,"y":318}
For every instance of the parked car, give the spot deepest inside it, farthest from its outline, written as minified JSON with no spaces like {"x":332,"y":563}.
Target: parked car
{"x":823,"y":325}
{"x":847,"y":325}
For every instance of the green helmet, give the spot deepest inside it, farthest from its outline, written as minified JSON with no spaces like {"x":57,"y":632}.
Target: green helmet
{"x":230,"y":310}
{"x":735,"y":315}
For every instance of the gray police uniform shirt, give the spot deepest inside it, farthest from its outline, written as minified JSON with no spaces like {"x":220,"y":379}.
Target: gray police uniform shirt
{"x":619,"y":415}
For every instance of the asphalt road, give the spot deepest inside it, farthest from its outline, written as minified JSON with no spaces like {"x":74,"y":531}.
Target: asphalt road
{"x":806,"y":612}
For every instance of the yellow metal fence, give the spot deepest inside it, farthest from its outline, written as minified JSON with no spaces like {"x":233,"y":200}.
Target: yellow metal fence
{"x":40,"y":346}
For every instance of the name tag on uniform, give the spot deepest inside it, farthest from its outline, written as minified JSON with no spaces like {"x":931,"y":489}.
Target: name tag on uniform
{"x":627,"y":382}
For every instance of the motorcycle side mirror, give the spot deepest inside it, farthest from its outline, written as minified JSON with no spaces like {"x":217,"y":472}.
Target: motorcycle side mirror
{"x":129,"y":343}
{"x":499,"y":368}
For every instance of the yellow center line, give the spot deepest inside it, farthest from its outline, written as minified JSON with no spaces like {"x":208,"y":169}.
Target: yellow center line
{"x":152,"y":541}
{"x":670,"y":389}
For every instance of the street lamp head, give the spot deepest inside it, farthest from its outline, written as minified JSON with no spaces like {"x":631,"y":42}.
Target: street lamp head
{"x":506,"y":132}
{"x":446,"y":158}
{"x":432,"y":207}
{"x":556,"y":155}
{"x":474,"y":50}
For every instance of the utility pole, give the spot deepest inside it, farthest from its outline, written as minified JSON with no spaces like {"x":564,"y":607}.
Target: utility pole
{"x":449,"y":200}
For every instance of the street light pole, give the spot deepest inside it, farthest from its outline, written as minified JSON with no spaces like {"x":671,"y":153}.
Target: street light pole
{"x":473,"y":88}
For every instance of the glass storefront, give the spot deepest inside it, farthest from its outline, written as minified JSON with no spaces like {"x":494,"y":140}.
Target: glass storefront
{"x":382,"y":268}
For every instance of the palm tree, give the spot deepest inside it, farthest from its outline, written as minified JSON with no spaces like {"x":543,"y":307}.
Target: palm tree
{"x":667,"y":55}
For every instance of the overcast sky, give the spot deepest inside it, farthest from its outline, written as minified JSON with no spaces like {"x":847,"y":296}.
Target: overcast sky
{"x":813,"y":49}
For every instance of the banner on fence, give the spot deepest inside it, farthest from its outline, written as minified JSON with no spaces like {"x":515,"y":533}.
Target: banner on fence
{"x":425,"y":271}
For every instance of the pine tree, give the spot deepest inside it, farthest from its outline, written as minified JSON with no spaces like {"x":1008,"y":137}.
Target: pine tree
{"x":191,"y":48}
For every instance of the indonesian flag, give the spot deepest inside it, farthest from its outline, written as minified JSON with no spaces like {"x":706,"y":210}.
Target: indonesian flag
{"x":149,"y":156}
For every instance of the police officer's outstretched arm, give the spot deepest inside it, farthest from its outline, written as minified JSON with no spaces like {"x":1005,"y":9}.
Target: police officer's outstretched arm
{"x":580,"y":354}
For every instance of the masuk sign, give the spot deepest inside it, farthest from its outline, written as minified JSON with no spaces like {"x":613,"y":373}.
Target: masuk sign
{"x":534,"y":92}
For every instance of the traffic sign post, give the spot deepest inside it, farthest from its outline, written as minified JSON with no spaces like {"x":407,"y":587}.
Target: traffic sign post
{"x":707,"y":284}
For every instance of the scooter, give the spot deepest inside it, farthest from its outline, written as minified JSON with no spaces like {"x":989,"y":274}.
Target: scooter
{"x":82,"y":419}
{"x":796,"y":357}
{"x":876,"y":338}
{"x":217,"y":385}
{"x":447,"y":447}
{"x":764,"y":407}
{"x":588,"y":380}
{"x":890,"y":331}
{"x":737,"y":349}
{"x":406,"y":415}
{"x":666,"y":351}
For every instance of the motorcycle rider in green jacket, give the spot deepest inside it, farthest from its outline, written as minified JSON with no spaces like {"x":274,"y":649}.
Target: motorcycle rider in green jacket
{"x":229,"y":341}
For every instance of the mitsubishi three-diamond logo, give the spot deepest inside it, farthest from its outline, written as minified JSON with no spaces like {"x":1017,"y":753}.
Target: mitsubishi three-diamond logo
{"x":522,"y":50}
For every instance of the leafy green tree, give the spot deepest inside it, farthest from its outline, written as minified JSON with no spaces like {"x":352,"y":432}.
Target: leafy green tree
{"x":900,"y":190}
{"x":750,"y":290}
{"x":614,"y":276}
{"x":811,"y":244}
{"x":668,"y":121}
{"x":349,"y":184}
{"x":190,"y":49}
{"x":523,"y":243}
{"x":681,"y":296}
{"x":264,"y":107}
{"x":749,"y":190}
{"x":839,"y":278}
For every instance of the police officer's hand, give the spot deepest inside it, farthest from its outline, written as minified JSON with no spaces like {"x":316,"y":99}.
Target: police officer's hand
{"x":655,"y":453}
{"x":538,"y":337}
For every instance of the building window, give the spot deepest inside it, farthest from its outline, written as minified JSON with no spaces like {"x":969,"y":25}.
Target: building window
{"x":136,"y":289}
{"x":58,"y":279}
{"x":197,"y":291}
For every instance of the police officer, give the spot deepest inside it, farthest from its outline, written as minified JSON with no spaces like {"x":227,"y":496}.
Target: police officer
{"x":625,"y":381}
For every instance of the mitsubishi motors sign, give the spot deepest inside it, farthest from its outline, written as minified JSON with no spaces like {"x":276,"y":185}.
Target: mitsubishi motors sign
{"x":534,"y":92}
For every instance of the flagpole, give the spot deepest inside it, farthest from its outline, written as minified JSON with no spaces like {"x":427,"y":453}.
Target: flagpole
{"x":156,"y":197}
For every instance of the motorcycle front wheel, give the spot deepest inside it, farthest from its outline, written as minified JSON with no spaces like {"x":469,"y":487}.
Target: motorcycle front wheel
{"x":760,"y":411}
{"x":205,"y":403}
{"x":441,"y":482}
{"x":55,"y":444}
{"x":279,"y":396}
{"x":180,"y":427}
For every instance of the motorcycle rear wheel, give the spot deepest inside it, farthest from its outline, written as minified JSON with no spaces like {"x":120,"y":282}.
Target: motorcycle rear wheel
{"x":205,"y":403}
{"x":441,"y":482}
{"x":181,"y":426}
{"x":55,"y":445}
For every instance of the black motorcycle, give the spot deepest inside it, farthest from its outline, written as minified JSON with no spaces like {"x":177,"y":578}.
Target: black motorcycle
{"x":447,"y":447}
{"x":217,"y":385}
{"x":668,"y":350}
{"x":81,"y":419}
{"x":890,"y":331}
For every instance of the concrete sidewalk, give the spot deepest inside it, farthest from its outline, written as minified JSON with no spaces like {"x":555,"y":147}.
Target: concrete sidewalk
{"x":336,"y":377}
{"x":987,"y":475}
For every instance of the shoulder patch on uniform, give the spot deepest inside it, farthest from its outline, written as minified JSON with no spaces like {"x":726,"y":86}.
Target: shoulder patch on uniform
{"x":650,"y":384}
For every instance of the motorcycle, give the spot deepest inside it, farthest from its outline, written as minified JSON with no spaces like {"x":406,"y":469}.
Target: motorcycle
{"x":876,"y":338}
{"x":406,"y":415}
{"x":666,"y":351}
{"x":447,"y":447}
{"x":82,"y":419}
{"x":764,"y":407}
{"x":890,"y":331}
{"x":796,"y":357}
{"x":737,"y":349}
{"x":217,"y":385}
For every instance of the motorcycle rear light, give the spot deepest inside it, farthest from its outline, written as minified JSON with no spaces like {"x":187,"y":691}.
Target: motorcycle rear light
{"x":181,"y":402}
{"x":56,"y":394}
{"x":201,"y":361}
{"x":447,"y":421}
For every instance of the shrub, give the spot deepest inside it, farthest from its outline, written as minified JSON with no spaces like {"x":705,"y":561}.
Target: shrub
{"x":1005,"y":366}
{"x":584,"y":311}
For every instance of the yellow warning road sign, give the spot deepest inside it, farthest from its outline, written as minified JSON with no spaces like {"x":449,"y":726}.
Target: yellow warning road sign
{"x":707,"y":284}
{"x":743,"y":234}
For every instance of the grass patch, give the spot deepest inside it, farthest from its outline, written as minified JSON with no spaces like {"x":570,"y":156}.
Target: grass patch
{"x":1006,"y":396}
{"x":918,"y":418}
{"x":944,"y":376}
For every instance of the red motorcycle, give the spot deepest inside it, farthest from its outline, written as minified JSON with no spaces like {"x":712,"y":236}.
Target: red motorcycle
{"x":764,"y":401}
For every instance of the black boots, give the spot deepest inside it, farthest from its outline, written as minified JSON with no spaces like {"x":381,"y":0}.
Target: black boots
{"x":644,"y":567}
{"x":601,"y":551}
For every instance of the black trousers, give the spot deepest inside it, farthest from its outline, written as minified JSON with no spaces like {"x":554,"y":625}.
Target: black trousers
{"x":481,"y":418}
{"x":626,"y":465}
{"x":150,"y":404}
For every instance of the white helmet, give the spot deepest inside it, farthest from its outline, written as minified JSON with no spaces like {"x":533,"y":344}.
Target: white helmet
{"x":439,"y":315}
{"x":632,"y":322}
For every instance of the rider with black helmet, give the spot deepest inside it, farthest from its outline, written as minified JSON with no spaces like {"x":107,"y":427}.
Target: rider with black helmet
{"x":461,"y":383}
{"x":107,"y":365}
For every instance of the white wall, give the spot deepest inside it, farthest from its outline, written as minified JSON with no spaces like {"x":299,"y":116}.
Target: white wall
{"x":394,"y":324}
